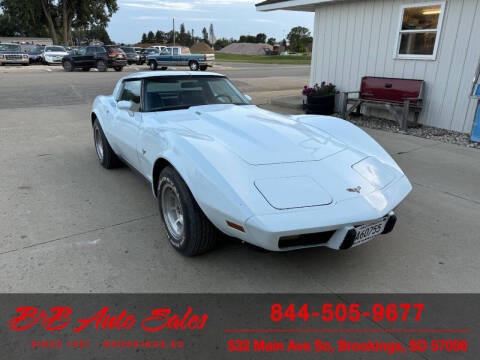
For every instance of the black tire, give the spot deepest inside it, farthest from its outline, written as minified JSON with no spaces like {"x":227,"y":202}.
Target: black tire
{"x":85,"y":69}
{"x":68,"y":66}
{"x":163,"y":68}
{"x":109,"y":160}
{"x":118,"y":68}
{"x":27,"y":64}
{"x":153,"y":65}
{"x":101,"y":66}
{"x":198,"y":235}
{"x":193,"y":65}
{"x":203,"y":68}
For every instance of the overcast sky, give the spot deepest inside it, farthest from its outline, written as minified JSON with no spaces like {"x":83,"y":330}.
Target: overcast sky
{"x":230,"y":18}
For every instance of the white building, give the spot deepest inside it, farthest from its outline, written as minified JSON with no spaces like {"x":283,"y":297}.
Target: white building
{"x":435,"y":41}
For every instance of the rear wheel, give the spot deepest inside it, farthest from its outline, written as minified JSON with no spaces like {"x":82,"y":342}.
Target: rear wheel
{"x":85,"y":69}
{"x":68,"y":66}
{"x":101,"y":66}
{"x":153,"y":65}
{"x":107,"y":157}
{"x":193,"y":65}
{"x":118,"y":68}
{"x":164,"y":68}
{"x":203,"y":68}
{"x":189,"y":230}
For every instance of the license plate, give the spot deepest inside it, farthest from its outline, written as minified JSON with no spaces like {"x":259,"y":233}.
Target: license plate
{"x":367,"y":232}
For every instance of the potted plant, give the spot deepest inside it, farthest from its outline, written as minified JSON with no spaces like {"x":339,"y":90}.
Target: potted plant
{"x":320,"y":99}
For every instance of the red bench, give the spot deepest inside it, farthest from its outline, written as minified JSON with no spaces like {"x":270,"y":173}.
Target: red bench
{"x":390,"y":92}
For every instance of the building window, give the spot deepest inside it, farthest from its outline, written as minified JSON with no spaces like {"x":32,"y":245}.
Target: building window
{"x":419,"y":31}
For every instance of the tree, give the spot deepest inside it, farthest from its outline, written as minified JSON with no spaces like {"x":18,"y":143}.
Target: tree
{"x":150,"y":37}
{"x":24,"y":18}
{"x":160,"y":37}
{"x":144,"y":38}
{"x":299,"y":38}
{"x":261,"y":38}
{"x":221,"y":43}
{"x":271,"y":41}
{"x":58,"y":16}
{"x":248,"y":39}
{"x":205,"y":34}
{"x":212,"y":37}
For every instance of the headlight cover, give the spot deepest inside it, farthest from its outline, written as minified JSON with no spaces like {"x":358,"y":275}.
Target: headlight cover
{"x":375,"y":172}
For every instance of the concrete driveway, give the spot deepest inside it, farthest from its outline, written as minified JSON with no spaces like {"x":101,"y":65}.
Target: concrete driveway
{"x":68,"y":225}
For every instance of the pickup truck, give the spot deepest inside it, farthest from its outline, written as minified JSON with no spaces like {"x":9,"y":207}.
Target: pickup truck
{"x":13,"y":54}
{"x":178,"y":56}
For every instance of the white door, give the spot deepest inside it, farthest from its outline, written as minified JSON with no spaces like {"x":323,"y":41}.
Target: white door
{"x":127,"y":123}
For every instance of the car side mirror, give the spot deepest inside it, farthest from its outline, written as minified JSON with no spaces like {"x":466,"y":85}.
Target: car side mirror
{"x":124,"y":105}
{"x":248,"y":97}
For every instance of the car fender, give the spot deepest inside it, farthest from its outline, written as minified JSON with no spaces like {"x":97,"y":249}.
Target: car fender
{"x":350,"y":134}
{"x":212,"y":192}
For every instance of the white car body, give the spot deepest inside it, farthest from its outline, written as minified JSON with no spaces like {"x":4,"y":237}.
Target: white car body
{"x":53,"y":57}
{"x":277,"y":176}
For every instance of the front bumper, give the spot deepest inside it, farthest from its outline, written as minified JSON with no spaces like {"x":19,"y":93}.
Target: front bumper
{"x":336,"y":221}
{"x":14,"y":59}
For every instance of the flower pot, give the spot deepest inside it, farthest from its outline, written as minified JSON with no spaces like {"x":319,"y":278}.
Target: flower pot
{"x":320,"y":105}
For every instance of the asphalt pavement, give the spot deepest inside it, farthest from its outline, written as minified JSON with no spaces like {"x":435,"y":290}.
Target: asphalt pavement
{"x":68,"y":225}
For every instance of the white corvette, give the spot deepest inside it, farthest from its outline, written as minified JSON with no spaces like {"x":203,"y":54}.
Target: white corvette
{"x":217,"y":163}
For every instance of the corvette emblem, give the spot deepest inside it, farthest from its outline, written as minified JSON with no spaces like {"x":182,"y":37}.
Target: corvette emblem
{"x":355,"y":190}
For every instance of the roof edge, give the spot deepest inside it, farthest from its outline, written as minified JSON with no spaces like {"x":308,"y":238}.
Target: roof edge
{"x":288,"y":4}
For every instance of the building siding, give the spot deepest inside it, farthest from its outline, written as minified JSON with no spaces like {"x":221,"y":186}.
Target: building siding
{"x":353,"y":39}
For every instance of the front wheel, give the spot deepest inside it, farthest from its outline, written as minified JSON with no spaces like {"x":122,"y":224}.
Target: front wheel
{"x":193,"y":65}
{"x":188,"y":229}
{"x":106,"y":156}
{"x":68,"y":66}
{"x":118,"y":68}
{"x":153,"y":65}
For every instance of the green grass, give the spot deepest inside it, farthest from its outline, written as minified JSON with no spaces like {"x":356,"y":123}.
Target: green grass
{"x":274,"y":59}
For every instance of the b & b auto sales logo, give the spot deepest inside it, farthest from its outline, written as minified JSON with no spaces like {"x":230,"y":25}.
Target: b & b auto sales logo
{"x":61,"y":317}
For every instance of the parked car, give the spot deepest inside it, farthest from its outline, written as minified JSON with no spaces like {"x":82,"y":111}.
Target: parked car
{"x":132,"y":56}
{"x":175,"y":56}
{"x":219,"y":164}
{"x":34,"y":53}
{"x":53,"y":54}
{"x":13,"y":54}
{"x":145,"y":52}
{"x":138,"y":50}
{"x":100,"y":57}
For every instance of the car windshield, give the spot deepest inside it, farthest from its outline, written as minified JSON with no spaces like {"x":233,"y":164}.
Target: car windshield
{"x":10,"y":47}
{"x":128,"y":50}
{"x":34,"y":50}
{"x":55,"y":49}
{"x":173,"y":93}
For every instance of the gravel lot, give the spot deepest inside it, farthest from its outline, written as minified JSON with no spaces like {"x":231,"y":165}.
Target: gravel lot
{"x":427,"y":132}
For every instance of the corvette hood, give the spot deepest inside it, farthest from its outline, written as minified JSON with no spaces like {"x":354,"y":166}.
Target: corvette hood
{"x":261,"y":137}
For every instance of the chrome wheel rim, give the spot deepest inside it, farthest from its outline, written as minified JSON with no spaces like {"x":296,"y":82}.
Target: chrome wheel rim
{"x":172,"y":212}
{"x":98,"y":142}
{"x":194,"y":66}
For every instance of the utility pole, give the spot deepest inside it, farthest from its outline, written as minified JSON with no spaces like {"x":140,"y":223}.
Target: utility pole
{"x":173,"y":31}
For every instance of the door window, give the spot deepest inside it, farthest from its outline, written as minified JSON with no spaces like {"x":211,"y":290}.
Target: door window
{"x":175,"y":51}
{"x":81,"y":51}
{"x":131,"y":92}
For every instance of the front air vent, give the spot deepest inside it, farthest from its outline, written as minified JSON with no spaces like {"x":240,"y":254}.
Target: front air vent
{"x":305,"y":239}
